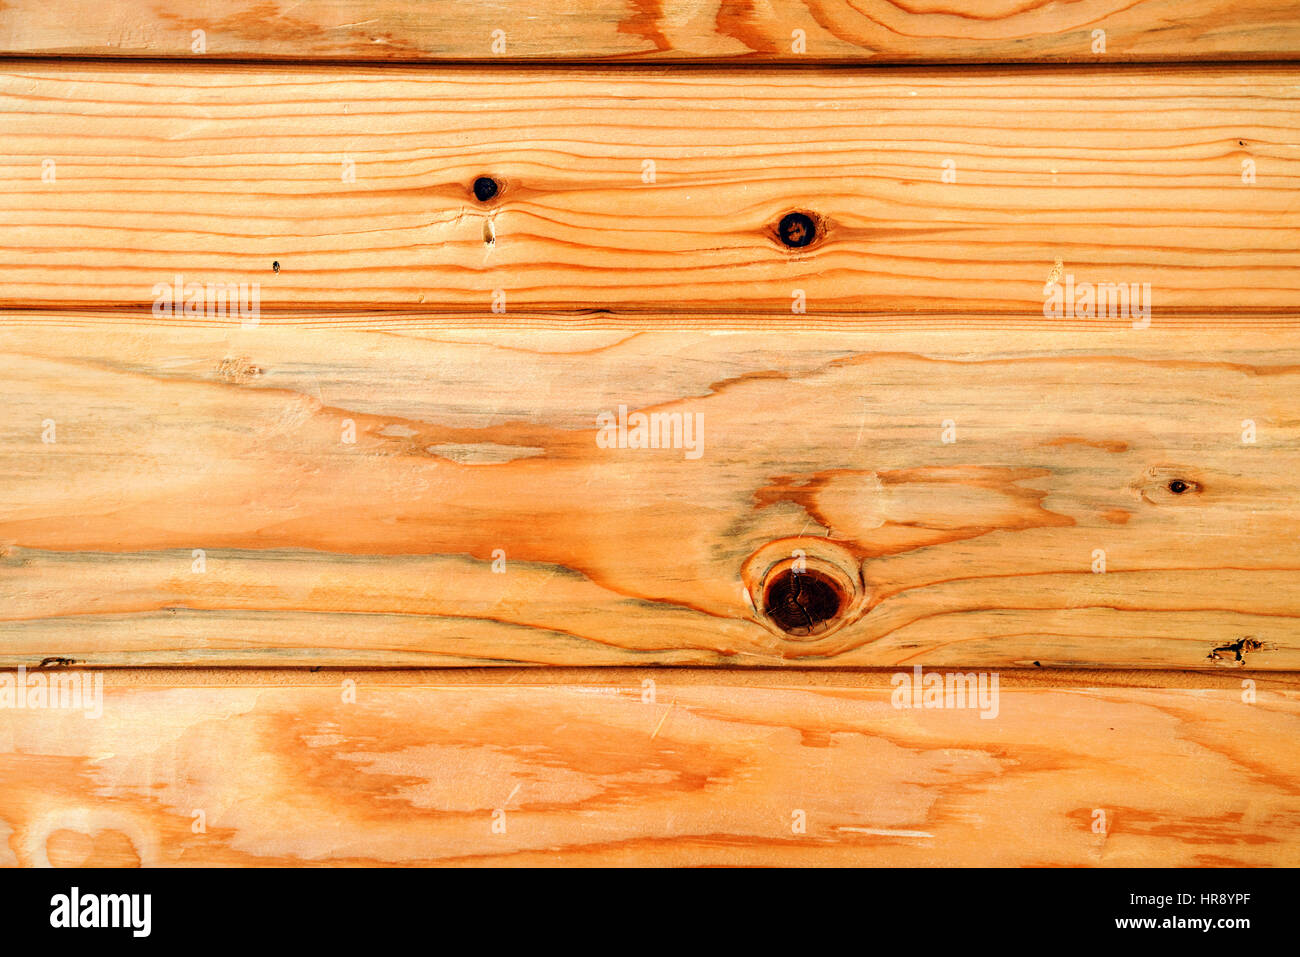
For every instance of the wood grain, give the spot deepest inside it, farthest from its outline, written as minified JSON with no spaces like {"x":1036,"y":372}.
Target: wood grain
{"x":478,"y":444}
{"x":1131,"y":175}
{"x":709,"y":30}
{"x":702,"y":774}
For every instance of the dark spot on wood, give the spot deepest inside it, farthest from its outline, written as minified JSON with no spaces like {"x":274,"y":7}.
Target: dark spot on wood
{"x":803,"y":603}
{"x":56,"y":662}
{"x":486,"y":188}
{"x":797,"y":230}
{"x":1169,"y":485}
{"x":275,"y":267}
{"x":1236,"y":651}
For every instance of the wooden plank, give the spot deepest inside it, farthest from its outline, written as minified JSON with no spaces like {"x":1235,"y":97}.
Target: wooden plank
{"x":1054,"y":495}
{"x":635,"y":773}
{"x":1132,"y":175}
{"x":832,"y":30}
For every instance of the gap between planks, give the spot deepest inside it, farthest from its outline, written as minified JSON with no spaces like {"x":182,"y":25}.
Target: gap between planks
{"x":398,"y":319}
{"x":874,"y":679}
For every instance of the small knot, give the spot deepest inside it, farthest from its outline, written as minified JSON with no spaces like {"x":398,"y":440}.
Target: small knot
{"x":797,"y":230}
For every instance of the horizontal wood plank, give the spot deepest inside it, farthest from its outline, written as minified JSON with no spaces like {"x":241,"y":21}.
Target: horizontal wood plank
{"x":419,"y":492}
{"x":649,"y":772}
{"x":633,"y":190}
{"x":774,"y":31}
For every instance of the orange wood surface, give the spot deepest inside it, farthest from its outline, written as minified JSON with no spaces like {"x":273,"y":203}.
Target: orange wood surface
{"x":555,"y":771}
{"x":352,"y":188}
{"x":790,"y":31}
{"x":420,"y":492}
{"x":354,"y":557}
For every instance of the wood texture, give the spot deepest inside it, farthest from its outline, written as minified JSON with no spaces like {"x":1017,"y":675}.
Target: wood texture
{"x":704,"y":774}
{"x":979,"y":551}
{"x":1133,"y":175}
{"x":833,"y":30}
{"x":394,"y":459}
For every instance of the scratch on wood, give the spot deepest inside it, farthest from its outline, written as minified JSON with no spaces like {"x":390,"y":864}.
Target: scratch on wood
{"x":667,"y":711}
